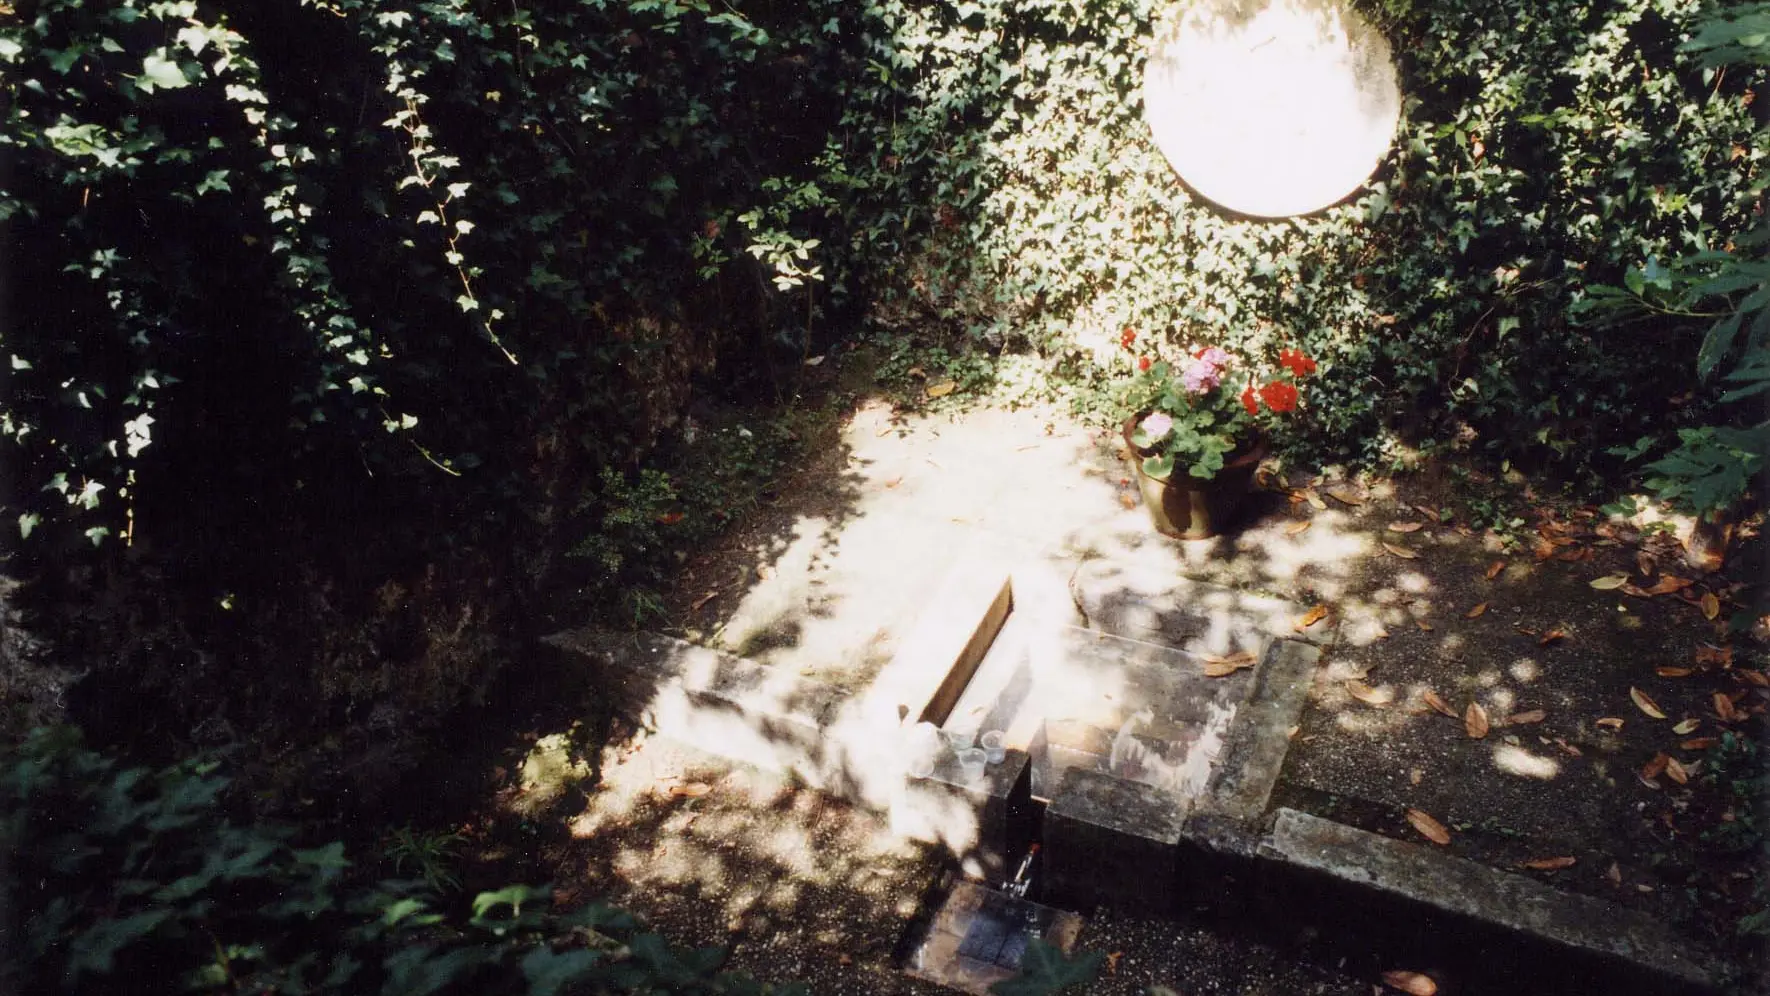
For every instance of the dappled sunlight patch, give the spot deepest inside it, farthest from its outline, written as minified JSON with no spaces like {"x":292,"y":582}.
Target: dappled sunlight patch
{"x":1525,"y":670}
{"x":1515,"y":760}
{"x":1501,"y":700}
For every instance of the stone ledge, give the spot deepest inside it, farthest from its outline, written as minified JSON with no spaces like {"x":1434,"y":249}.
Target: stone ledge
{"x":1193,"y":616}
{"x":1243,"y":780}
{"x":1458,"y":889}
{"x":1112,"y":842}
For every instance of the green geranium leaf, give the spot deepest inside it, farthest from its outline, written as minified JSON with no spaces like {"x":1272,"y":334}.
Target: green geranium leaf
{"x":1159,"y":466}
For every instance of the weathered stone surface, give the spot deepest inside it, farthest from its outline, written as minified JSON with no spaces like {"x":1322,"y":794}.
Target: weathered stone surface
{"x":1111,"y":842}
{"x":1253,"y":756}
{"x":978,"y":936}
{"x":1190,"y":615}
{"x":987,"y":823}
{"x":1371,"y":868}
{"x":716,"y":702}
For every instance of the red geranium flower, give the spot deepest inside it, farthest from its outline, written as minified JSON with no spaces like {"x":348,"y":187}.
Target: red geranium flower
{"x":1249,"y":401}
{"x":1300,"y":365}
{"x":1143,"y":363}
{"x":1279,"y":396}
{"x":1127,"y":338}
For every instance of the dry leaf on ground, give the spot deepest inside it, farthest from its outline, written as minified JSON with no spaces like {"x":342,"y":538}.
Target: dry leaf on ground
{"x":1476,"y":612}
{"x":1654,"y":767}
{"x":1368,"y":695}
{"x":1725,"y":709}
{"x":1665,"y":586}
{"x":1673,"y":672}
{"x":1527,"y":716}
{"x":704,"y":599}
{"x":1610,"y":582}
{"x":1675,"y":771}
{"x":1423,"y":624}
{"x":1345,"y":496}
{"x":1609,"y":723}
{"x":1314,"y":500}
{"x":1412,"y":983}
{"x":1698,"y":743}
{"x":1428,"y":827}
{"x":1310,"y":618}
{"x":1686,"y":726}
{"x":1551,"y":864}
{"x":1405,"y":527}
{"x":1219,"y":667}
{"x":1711,"y":606}
{"x":941,"y":389}
{"x":690,"y":790}
{"x":1437,"y":704}
{"x":1644,"y":564}
{"x":1128,"y":501}
{"x":1475,"y":720}
{"x":1551,"y":636}
{"x":1646,"y":704}
{"x":1494,"y":569}
{"x":1401,"y":551}
{"x":1711,"y":654}
{"x":1296,"y":527}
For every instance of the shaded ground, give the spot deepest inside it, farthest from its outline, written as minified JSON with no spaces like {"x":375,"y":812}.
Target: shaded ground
{"x":827,"y":580}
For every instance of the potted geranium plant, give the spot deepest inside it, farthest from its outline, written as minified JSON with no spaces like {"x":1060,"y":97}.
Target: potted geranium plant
{"x":1198,"y":428}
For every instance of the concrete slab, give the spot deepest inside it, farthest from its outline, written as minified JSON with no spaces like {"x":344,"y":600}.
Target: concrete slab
{"x":1143,"y":604}
{"x":1111,"y":842}
{"x":1369,"y":869}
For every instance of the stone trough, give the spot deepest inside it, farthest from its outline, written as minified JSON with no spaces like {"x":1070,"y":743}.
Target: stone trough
{"x":1147,"y":782}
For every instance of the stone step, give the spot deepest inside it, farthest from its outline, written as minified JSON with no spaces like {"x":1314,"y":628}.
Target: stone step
{"x":1392,"y":881}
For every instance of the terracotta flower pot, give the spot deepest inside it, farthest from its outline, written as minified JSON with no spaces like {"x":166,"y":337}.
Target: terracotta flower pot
{"x":1186,"y":507}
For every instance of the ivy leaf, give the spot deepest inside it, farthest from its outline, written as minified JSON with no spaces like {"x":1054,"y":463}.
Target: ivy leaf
{"x":159,"y":72}
{"x":546,"y":971}
{"x":1044,"y":969}
{"x":1159,"y":466}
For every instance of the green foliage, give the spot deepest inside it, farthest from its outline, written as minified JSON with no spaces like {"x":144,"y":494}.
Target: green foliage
{"x":427,"y":852}
{"x":135,"y":880}
{"x":1045,"y":969}
{"x":1541,"y":148}
{"x":1710,"y":469}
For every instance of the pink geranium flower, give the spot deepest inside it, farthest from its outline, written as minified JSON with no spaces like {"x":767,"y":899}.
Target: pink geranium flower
{"x":1158,"y":425}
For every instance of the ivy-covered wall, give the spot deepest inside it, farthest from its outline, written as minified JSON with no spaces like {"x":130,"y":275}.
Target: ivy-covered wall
{"x":1544,"y":147}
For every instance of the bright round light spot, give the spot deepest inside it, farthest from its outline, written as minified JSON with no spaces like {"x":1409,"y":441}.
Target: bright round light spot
{"x":1271,"y":107}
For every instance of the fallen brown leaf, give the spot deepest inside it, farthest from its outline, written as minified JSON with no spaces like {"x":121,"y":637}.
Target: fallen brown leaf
{"x":1609,"y":723}
{"x":1725,"y":709}
{"x":1542,"y":549}
{"x":894,"y":482}
{"x":1676,"y":772}
{"x":1665,"y":586}
{"x":1314,"y":500}
{"x":1751,"y":677}
{"x":1571,"y":750}
{"x":1475,"y":721}
{"x":1345,"y":496}
{"x":1428,"y":827}
{"x":704,"y":599}
{"x":1698,"y":743}
{"x":1437,"y":704}
{"x":1551,"y":864}
{"x":1710,"y":654}
{"x":1112,"y":962}
{"x":1412,"y":983}
{"x":1686,"y":726}
{"x":1368,"y":695}
{"x":1551,"y":636}
{"x":1429,"y":512}
{"x":1476,"y":612}
{"x":1673,"y":672}
{"x":690,"y":790}
{"x":1296,"y":527}
{"x":1405,"y":527}
{"x":1711,"y":606}
{"x":1645,"y":565}
{"x":941,"y":389}
{"x":1310,"y":618}
{"x":1219,"y":667}
{"x":1614,"y":874}
{"x":1610,"y":582}
{"x":1527,"y":716}
{"x":764,"y":572}
{"x":1127,"y":500}
{"x":1646,"y":704}
{"x":1401,"y":551}
{"x":1494,"y":569}
{"x":1423,"y":624}
{"x":1654,"y":767}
